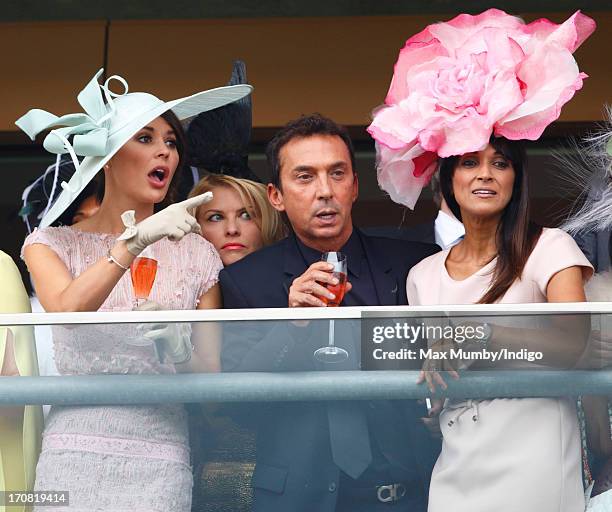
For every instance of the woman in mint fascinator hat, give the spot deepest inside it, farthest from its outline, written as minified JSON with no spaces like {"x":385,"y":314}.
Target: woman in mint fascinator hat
{"x":123,"y":457}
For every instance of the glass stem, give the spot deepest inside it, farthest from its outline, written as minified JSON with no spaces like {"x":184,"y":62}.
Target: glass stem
{"x":331,"y":333}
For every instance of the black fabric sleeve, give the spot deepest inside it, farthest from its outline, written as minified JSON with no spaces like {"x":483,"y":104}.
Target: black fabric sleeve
{"x":588,"y":245}
{"x":265,"y":345}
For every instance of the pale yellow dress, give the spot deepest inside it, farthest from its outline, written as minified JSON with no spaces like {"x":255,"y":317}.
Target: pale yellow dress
{"x":19,"y":437}
{"x":522,"y":454}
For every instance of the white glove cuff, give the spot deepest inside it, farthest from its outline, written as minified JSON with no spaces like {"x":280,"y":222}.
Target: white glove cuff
{"x":131,"y":230}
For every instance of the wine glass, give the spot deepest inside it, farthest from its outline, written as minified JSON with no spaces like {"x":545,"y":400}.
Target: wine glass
{"x":143,"y":270}
{"x":331,"y":353}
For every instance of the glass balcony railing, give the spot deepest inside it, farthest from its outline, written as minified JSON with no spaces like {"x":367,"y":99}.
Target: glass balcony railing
{"x":283,"y":368}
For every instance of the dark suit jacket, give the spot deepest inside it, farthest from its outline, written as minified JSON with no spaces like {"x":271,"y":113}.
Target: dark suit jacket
{"x":425,"y":232}
{"x":597,"y":247}
{"x":295,"y":470}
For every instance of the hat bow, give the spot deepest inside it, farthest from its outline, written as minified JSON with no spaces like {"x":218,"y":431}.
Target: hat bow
{"x":89,"y":130}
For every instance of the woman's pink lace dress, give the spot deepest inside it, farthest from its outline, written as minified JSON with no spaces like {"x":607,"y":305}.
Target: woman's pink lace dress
{"x":121,"y":458}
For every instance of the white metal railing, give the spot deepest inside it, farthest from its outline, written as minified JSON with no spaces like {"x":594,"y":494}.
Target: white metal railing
{"x":219,"y":315}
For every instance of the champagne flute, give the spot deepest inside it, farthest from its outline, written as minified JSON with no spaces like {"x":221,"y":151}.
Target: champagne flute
{"x":143,"y":270}
{"x":331,"y":353}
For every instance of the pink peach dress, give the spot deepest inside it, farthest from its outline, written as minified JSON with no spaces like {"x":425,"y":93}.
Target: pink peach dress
{"x":121,"y":458}
{"x":522,"y":454}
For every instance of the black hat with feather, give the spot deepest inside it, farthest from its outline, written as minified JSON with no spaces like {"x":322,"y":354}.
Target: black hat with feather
{"x":39,"y":196}
{"x":219,"y":139}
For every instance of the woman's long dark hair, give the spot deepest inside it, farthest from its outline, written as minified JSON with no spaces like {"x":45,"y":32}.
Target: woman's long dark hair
{"x":181,"y":147}
{"x":516,"y":234}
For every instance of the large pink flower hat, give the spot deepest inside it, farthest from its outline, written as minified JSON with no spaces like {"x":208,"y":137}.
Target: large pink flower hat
{"x":457,"y":82}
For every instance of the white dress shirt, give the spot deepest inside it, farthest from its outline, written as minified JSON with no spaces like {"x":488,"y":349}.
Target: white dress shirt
{"x":448,"y":230}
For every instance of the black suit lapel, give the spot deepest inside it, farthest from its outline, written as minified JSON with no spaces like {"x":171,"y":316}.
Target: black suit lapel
{"x":430,"y":236}
{"x":293,"y":263}
{"x":385,"y":281}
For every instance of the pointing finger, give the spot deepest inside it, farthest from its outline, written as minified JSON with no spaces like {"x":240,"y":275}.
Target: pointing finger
{"x":194,"y":202}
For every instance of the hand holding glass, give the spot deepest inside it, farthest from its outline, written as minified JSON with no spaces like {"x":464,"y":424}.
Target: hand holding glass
{"x":331,"y":353}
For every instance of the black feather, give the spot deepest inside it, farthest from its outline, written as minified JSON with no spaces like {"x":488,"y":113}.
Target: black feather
{"x":219,"y":139}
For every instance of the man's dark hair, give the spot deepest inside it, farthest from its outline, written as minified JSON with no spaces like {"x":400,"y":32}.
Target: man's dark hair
{"x":305,"y":126}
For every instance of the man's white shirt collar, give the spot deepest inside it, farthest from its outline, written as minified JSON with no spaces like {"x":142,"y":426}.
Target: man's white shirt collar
{"x":448,"y":230}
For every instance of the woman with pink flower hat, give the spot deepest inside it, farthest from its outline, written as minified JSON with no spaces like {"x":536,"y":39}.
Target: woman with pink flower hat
{"x":464,"y":93}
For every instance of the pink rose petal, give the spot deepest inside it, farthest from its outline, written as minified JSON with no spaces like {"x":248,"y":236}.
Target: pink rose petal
{"x":391,"y":127}
{"x":423,"y":163}
{"x":409,"y":56}
{"x":570,"y":34}
{"x":396,"y":174}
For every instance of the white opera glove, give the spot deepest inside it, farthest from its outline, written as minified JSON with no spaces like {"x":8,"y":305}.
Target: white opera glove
{"x":174,"y":222}
{"x":172,"y":341}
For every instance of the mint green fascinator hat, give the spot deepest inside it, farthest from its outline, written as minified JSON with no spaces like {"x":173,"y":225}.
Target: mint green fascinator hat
{"x":109,"y":120}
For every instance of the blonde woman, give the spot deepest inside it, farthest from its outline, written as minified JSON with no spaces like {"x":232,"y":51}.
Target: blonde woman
{"x":239,"y":220}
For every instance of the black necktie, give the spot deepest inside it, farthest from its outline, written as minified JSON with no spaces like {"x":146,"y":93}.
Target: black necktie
{"x":349,"y":438}
{"x":348,"y":426}
{"x":384,"y":418}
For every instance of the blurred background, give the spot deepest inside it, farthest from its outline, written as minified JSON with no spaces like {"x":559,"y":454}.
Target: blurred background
{"x":334,"y":57}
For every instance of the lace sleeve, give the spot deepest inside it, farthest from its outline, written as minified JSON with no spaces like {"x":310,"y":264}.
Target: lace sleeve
{"x":210,"y":263}
{"x":51,"y":237}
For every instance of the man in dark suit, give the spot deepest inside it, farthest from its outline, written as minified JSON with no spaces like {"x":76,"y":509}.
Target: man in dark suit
{"x":445,"y":230}
{"x":318,"y":456}
{"x":596,"y":243}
